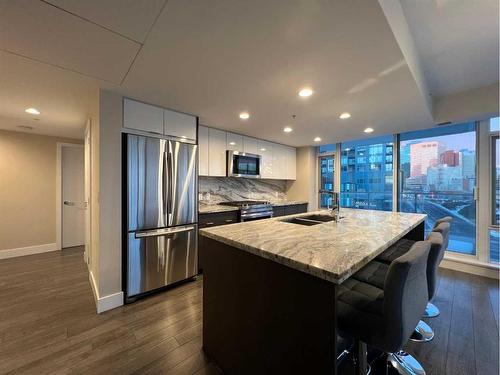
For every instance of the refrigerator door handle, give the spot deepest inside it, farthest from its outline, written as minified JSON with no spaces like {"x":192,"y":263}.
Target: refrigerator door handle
{"x":164,"y":231}
{"x":169,"y":184}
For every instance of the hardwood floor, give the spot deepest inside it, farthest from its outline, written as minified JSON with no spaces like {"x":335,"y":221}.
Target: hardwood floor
{"x":48,"y":325}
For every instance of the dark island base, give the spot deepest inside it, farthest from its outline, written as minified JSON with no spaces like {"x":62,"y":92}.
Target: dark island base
{"x":260,"y":317}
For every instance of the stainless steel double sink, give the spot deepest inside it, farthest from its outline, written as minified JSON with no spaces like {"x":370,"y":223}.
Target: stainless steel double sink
{"x":309,"y":220}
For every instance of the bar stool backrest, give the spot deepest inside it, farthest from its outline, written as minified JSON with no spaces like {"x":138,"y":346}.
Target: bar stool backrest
{"x":435,"y":255}
{"x":405,"y":295}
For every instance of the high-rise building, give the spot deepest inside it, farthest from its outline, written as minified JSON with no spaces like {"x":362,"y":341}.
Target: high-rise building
{"x":424,"y":155}
{"x":445,"y":178}
{"x":468,"y":162}
{"x":450,"y":157}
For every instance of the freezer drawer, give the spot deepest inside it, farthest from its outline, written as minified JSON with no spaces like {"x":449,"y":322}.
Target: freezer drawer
{"x":161,"y":257}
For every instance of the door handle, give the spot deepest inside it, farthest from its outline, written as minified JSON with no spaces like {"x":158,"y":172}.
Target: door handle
{"x":169,"y":184}
{"x":69,"y":203}
{"x":164,"y":231}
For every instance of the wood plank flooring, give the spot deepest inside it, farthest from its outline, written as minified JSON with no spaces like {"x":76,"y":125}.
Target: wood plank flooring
{"x":48,"y":325}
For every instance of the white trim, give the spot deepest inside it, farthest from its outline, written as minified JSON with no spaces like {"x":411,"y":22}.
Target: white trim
{"x":60,"y":145}
{"x":109,"y":302}
{"x":105,"y":303}
{"x":471,"y":266}
{"x":28,"y":250}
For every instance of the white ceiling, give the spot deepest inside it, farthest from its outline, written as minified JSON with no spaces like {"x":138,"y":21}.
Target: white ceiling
{"x":457,"y":41}
{"x":213,"y":59}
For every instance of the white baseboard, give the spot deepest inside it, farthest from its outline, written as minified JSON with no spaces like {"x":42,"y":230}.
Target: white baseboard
{"x":105,"y":303}
{"x":28,"y":250}
{"x":475,"y":268}
{"x":109,"y":302}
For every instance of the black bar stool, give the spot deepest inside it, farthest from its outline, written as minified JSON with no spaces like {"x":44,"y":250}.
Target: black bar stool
{"x":386,"y":318}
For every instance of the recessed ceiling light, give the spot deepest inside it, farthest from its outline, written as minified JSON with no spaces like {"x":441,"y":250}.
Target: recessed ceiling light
{"x":317,"y":139}
{"x":262,"y":149}
{"x":244,"y":115}
{"x":368,"y":130}
{"x":287,"y":129}
{"x":305,"y":92}
{"x":232,"y":143}
{"x":32,"y":111}
{"x":345,"y":115}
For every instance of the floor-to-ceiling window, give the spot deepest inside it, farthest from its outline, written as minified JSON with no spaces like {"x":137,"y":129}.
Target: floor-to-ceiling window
{"x":437,"y":176}
{"x":326,"y":162}
{"x":366,"y":176}
{"x":495,"y":191}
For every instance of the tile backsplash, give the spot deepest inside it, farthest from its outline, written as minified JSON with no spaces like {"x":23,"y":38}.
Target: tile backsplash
{"x":213,"y":190}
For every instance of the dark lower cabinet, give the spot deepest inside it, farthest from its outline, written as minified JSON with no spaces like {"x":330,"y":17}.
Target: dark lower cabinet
{"x":290,"y":209}
{"x":208,"y":220}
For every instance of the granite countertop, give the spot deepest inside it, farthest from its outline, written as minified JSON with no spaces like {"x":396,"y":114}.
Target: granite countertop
{"x":214,"y":208}
{"x":332,"y":251}
{"x":288,"y":203}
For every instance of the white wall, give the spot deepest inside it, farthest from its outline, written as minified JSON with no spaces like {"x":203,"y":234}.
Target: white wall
{"x":472,"y":105}
{"x":106,"y":251}
{"x":305,"y":187}
{"x":28,"y":165}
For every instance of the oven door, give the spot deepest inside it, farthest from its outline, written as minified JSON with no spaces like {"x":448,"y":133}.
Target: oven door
{"x":243,"y":164}
{"x":256,"y":216}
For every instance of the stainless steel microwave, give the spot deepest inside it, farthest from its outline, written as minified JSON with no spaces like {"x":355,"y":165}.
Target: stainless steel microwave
{"x":243,"y":164}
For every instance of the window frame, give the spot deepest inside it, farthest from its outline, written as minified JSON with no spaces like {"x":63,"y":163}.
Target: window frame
{"x":318,"y":171}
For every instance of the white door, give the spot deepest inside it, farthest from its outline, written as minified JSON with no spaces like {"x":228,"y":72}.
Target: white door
{"x":73,"y":207}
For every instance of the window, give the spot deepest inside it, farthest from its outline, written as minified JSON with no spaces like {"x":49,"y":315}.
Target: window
{"x":326,"y":169}
{"x":365,"y":180}
{"x":495,"y":191}
{"x":437,"y":176}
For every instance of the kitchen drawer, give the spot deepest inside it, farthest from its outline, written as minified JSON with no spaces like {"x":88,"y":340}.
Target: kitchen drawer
{"x":278,"y":211}
{"x":295,"y":209}
{"x":219,"y":218}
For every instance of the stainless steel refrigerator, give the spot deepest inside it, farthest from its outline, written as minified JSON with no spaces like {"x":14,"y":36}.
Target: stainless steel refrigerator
{"x":162,"y":213}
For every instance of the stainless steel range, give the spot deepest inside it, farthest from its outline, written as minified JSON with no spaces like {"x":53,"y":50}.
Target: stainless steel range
{"x":252,"y":210}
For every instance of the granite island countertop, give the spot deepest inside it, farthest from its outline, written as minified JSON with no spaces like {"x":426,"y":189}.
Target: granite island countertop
{"x":332,"y":251}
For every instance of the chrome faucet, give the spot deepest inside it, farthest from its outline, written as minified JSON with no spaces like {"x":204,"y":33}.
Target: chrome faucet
{"x":335,"y":209}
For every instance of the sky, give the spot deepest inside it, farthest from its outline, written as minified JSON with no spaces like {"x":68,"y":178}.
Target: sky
{"x":455,"y":142}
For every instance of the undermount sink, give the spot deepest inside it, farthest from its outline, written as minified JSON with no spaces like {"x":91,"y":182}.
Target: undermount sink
{"x":309,"y":219}
{"x":317,"y":217}
{"x":301,"y":221}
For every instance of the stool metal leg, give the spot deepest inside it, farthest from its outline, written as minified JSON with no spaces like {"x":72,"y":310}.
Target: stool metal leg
{"x":422,"y":333}
{"x":431,"y":311}
{"x":405,"y":364}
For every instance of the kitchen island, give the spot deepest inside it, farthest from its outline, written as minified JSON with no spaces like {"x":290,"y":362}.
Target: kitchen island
{"x":269,"y":295}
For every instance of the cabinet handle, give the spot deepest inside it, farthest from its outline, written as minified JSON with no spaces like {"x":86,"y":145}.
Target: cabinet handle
{"x":229,"y":220}
{"x":209,"y":223}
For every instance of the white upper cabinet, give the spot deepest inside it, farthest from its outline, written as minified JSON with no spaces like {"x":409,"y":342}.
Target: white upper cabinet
{"x":251,"y":145}
{"x":291,"y":163}
{"x":216,"y":152}
{"x":179,"y":125}
{"x":203,"y":158}
{"x":234,"y":142}
{"x":279,"y":162}
{"x":141,"y":116}
{"x":266,"y":166}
